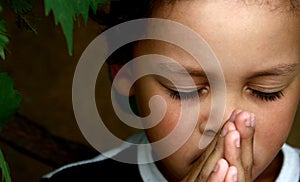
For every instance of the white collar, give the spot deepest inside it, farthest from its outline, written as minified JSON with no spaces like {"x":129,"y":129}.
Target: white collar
{"x":290,"y":170}
{"x":147,"y":167}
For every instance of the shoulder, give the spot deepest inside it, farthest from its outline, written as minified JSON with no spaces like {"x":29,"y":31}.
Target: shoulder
{"x":297,"y":150}
{"x":100,"y":167}
{"x":288,"y":149}
{"x":294,"y":150}
{"x":95,"y":171}
{"x":290,"y":170}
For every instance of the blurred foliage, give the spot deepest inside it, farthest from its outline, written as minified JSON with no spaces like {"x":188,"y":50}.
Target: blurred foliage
{"x":4,"y":169}
{"x":10,"y":99}
{"x":3,"y":37}
{"x":22,"y":10}
{"x":65,"y":12}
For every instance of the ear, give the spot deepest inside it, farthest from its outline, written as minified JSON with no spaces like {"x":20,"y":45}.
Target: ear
{"x":123,"y":83}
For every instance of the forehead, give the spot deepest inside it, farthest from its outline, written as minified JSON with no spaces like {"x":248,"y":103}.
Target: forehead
{"x":194,"y":12}
{"x":232,"y":20}
{"x":238,"y":33}
{"x":286,"y":5}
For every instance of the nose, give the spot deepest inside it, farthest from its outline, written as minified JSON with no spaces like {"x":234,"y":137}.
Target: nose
{"x":211,"y":122}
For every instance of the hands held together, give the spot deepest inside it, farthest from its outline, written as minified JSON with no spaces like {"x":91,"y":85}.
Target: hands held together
{"x":229,"y":157}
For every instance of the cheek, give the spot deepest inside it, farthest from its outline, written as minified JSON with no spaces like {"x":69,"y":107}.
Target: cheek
{"x":274,"y":124}
{"x":143,"y":95}
{"x":166,"y":125}
{"x":272,"y":129}
{"x":179,"y":162}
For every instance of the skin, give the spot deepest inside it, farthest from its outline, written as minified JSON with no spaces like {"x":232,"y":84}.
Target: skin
{"x":248,"y":40}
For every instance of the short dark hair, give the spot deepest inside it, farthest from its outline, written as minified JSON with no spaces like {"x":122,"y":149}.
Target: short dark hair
{"x":122,"y":11}
{"x":126,"y":10}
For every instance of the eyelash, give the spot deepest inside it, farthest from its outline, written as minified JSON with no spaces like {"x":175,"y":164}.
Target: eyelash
{"x":184,"y":95}
{"x":260,"y":95}
{"x":267,"y":96}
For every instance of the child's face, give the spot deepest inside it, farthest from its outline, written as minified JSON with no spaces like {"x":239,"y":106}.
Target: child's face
{"x":259,"y":52}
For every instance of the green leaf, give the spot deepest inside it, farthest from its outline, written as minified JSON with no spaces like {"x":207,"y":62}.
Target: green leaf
{"x":3,"y":38}
{"x":10,"y":99}
{"x":65,"y":13}
{"x":21,"y":7}
{"x":4,"y":168}
{"x":94,"y":4}
{"x":82,"y":8}
{"x":23,"y":10}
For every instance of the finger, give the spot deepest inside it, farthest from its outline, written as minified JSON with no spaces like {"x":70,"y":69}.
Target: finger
{"x":217,"y":153}
{"x":228,"y":127}
{"x":212,"y":160}
{"x":234,"y":114}
{"x":245,"y":125}
{"x":213,"y":152}
{"x":220,"y":171}
{"x":193,"y":174}
{"x":232,"y":152}
{"x":204,"y":165}
{"x":232,"y":174}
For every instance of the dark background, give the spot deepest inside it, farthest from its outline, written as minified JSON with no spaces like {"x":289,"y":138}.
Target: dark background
{"x":43,"y":73}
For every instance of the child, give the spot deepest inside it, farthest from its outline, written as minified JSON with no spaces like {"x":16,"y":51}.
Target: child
{"x":258,"y":46}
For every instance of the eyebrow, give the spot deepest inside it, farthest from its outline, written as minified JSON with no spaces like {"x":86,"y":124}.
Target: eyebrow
{"x":278,"y":70}
{"x":174,"y":68}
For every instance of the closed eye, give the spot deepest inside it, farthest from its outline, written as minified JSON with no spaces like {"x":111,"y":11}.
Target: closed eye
{"x":177,"y":95}
{"x":265,"y":96}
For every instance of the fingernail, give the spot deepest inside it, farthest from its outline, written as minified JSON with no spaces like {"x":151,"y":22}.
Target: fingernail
{"x":252,"y":116}
{"x":224,"y":132}
{"x":235,"y":175}
{"x":237,"y":142}
{"x":216,"y":168}
{"x":234,"y":114}
{"x":235,"y":178}
{"x":248,"y":121}
{"x":232,"y":117}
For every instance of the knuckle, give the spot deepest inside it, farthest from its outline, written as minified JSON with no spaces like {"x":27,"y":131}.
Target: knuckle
{"x":202,"y":177}
{"x":248,"y":169}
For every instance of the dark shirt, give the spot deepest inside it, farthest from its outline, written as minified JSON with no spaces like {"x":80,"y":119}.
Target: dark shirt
{"x":104,"y":170}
